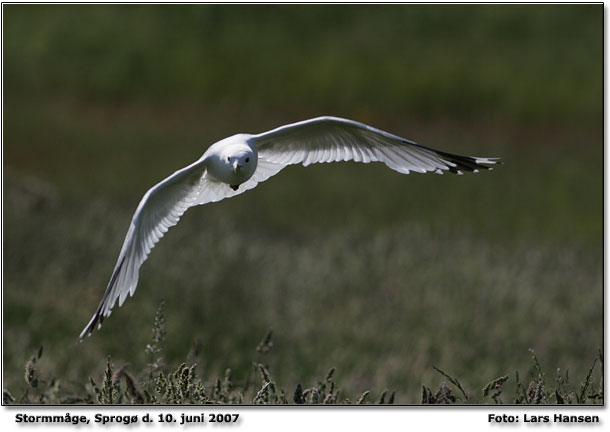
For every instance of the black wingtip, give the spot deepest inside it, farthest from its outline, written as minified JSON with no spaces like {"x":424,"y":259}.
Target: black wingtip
{"x":96,"y":322}
{"x":468,"y":163}
{"x":98,"y":317}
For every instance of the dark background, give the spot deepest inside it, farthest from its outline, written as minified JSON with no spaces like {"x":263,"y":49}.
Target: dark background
{"x":353,"y":266}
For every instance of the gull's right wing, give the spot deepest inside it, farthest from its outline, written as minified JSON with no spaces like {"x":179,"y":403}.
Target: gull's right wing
{"x":160,"y":208}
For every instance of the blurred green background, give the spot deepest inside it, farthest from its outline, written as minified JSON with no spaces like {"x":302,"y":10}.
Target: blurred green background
{"x":353,"y":266}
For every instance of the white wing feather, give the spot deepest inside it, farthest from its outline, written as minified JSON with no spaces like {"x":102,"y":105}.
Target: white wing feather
{"x":160,"y":209}
{"x":333,"y":139}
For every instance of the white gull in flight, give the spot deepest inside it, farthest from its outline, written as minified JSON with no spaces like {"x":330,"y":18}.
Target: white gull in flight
{"x":238,"y":163}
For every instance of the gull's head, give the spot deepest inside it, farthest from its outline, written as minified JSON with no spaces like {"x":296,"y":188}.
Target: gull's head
{"x":241,"y":162}
{"x":232,"y":160}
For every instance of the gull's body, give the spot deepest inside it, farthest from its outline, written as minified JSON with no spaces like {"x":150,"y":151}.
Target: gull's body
{"x":238,"y":163}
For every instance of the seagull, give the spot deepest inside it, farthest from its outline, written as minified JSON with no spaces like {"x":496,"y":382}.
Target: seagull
{"x":238,"y":163}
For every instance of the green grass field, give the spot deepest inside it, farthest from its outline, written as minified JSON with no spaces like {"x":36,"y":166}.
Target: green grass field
{"x":354,"y":267}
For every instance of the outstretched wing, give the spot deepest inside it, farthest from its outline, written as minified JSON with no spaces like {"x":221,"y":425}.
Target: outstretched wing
{"x":333,"y":139}
{"x":160,"y":209}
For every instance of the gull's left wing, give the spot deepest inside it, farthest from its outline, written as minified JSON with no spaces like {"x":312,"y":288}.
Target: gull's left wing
{"x":333,"y":139}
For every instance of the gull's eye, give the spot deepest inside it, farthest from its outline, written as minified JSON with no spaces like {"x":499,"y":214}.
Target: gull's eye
{"x":247,"y":160}
{"x":229,"y":159}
